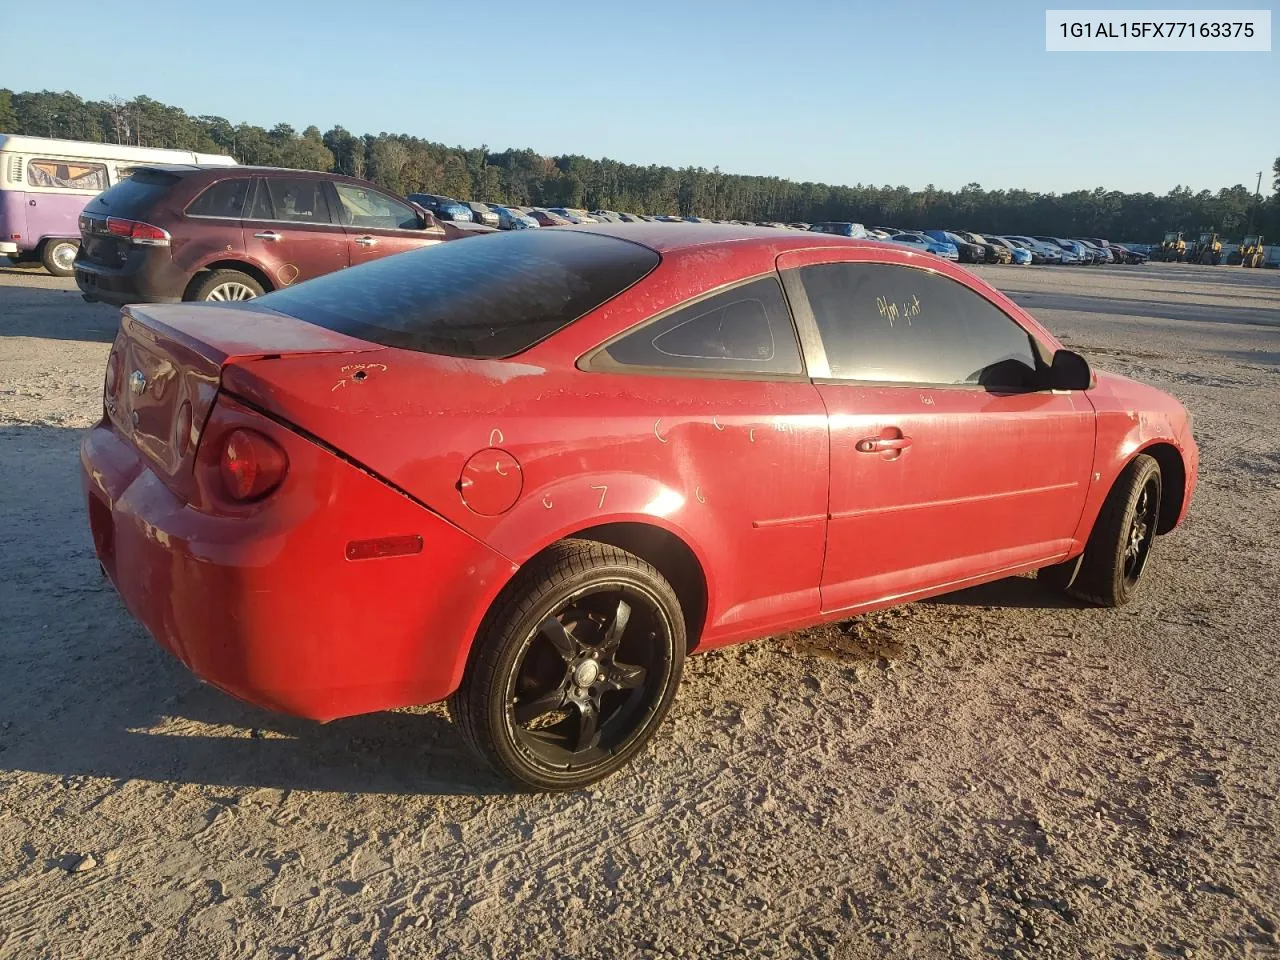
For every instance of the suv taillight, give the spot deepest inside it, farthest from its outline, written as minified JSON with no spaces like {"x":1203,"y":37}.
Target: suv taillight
{"x":251,"y":465}
{"x":137,"y":232}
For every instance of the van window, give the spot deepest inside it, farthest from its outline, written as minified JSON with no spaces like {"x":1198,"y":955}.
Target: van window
{"x":68,"y":174}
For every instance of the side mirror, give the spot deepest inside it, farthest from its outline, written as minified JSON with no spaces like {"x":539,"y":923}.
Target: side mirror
{"x":1070,"y":371}
{"x":425,"y":219}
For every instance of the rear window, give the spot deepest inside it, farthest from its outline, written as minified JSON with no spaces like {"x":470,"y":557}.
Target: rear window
{"x":487,"y":297}
{"x":133,"y":197}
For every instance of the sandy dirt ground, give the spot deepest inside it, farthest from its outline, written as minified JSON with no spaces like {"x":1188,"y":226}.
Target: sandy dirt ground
{"x":995,"y":773}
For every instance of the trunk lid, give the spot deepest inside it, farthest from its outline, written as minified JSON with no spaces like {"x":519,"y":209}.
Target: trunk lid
{"x":171,"y":356}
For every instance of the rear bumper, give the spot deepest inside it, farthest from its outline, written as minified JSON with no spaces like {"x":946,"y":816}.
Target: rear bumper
{"x":136,"y":282}
{"x":266,"y":606}
{"x":8,"y":248}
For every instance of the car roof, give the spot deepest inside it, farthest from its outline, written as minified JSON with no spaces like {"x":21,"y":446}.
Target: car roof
{"x":670,"y":237}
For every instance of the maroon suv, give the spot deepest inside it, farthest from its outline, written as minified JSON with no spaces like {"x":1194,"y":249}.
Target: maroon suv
{"x":180,"y":232}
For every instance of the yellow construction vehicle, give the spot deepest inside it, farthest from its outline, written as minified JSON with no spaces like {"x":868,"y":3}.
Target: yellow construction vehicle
{"x":1251,"y":253}
{"x":1173,"y":247}
{"x":1208,"y":250}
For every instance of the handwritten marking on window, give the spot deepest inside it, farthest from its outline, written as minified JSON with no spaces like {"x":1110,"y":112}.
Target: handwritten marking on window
{"x":891,"y":310}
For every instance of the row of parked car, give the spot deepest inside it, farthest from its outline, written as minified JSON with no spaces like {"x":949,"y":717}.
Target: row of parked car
{"x":959,"y":245}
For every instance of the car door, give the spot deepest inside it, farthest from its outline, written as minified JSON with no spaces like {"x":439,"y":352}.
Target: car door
{"x":378,"y":225}
{"x":950,"y":462}
{"x":738,"y":425}
{"x":291,"y":232}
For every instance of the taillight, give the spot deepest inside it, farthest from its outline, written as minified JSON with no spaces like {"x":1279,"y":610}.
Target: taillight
{"x":113,"y":373}
{"x":251,"y":465}
{"x":142,"y":234}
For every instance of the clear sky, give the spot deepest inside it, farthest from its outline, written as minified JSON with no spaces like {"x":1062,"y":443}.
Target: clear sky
{"x":839,"y":91}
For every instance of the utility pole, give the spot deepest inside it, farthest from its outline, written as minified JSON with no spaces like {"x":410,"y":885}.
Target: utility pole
{"x":1257,"y":198}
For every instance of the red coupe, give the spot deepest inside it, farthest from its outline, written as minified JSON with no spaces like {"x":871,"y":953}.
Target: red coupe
{"x":529,"y":473}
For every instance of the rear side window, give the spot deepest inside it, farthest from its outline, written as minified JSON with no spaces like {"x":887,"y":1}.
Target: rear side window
{"x":292,"y":199}
{"x":133,"y":197}
{"x":68,"y":174}
{"x":744,"y":330}
{"x":226,"y":199}
{"x":891,"y":324}
{"x":485,"y":296}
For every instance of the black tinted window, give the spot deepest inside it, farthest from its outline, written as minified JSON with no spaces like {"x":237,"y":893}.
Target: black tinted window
{"x":743,"y":330}
{"x":291,"y":198}
{"x":484,"y":296}
{"x":133,"y":197}
{"x":886,"y":323}
{"x":224,"y":199}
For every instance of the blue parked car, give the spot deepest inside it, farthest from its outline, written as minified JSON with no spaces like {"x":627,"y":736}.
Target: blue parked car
{"x":444,"y":208}
{"x":918,"y":241}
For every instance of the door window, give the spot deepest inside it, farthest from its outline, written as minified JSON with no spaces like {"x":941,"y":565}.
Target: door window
{"x":294,"y":199}
{"x":366,"y":207}
{"x":888,"y":323}
{"x":745,"y":330}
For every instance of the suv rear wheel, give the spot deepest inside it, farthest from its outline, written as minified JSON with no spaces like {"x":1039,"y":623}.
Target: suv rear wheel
{"x":227,"y":285}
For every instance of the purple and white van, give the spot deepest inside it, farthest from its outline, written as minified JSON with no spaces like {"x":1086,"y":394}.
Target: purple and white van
{"x":44,"y":184}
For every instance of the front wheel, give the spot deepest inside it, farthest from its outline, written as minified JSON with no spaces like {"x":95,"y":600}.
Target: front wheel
{"x":1120,"y":544}
{"x":574,"y":670}
{"x":59,"y":257}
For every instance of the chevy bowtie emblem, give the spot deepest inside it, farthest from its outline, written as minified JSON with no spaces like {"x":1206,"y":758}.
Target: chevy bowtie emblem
{"x":137,"y":383}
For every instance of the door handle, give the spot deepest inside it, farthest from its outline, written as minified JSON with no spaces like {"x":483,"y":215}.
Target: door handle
{"x":267,"y":235}
{"x":882,"y":444}
{"x":366,"y":241}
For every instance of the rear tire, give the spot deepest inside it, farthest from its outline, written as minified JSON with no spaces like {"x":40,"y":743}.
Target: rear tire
{"x":59,"y":256}
{"x":227,"y":286}
{"x":574,"y":669}
{"x":1120,"y":544}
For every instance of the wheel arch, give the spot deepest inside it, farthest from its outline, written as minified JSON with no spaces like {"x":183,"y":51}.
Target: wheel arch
{"x":242,"y":265}
{"x":1173,"y":482}
{"x":670,"y":555}
{"x":667,"y":551}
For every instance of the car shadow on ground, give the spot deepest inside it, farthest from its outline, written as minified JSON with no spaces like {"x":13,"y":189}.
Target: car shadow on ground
{"x":86,"y":692}
{"x":1017,"y":592}
{"x":54,"y":310}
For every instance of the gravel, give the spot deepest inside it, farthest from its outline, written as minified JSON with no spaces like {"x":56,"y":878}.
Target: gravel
{"x":998,"y":772}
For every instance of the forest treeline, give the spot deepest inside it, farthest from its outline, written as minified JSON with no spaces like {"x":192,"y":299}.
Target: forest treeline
{"x":408,"y":164}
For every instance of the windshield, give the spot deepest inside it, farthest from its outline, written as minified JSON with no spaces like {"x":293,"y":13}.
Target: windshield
{"x":486,"y":297}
